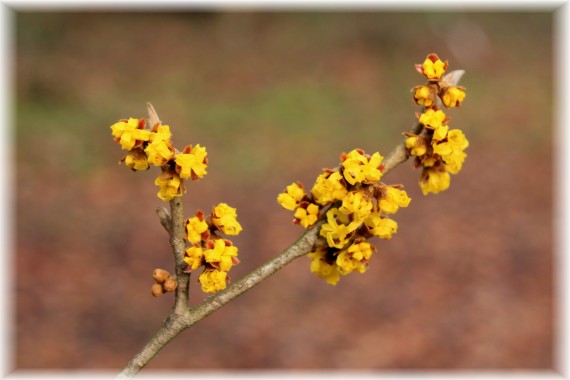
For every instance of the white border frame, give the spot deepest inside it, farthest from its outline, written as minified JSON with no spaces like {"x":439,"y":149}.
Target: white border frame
{"x":561,"y":159}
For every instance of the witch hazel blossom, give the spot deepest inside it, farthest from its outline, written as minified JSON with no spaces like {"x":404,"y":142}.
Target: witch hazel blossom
{"x":196,"y":227}
{"x":433,"y":68}
{"x":224,"y":219}
{"x":192,"y":162}
{"x":291,"y":197}
{"x":357,"y":167}
{"x":130,"y":133}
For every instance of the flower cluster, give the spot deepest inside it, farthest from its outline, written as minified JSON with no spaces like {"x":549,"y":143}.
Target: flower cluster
{"x":216,"y":254}
{"x":207,"y":249}
{"x":154,"y":147}
{"x":358,"y":205}
{"x":437,"y":149}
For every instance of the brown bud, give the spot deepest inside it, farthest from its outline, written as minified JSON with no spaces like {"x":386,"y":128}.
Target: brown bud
{"x":156,"y":290}
{"x":160,"y":275}
{"x":170,"y":285}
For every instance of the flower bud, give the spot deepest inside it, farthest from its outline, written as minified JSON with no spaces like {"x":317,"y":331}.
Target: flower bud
{"x":170,"y":285}
{"x":453,"y":96}
{"x":156,"y":290}
{"x":425,"y":95}
{"x":160,"y":275}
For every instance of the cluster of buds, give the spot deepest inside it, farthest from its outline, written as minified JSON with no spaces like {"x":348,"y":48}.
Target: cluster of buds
{"x":436,"y":148}
{"x":154,"y":147}
{"x":164,"y":282}
{"x":210,"y":251}
{"x":358,"y":208}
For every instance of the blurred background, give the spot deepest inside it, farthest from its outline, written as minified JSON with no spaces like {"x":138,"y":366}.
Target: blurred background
{"x":466,"y":283}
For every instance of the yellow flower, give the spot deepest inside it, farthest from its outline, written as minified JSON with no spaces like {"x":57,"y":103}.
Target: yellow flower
{"x":443,"y":148}
{"x":357,"y":168}
{"x":432,"y":118}
{"x":213,"y":280}
{"x":440,"y":133}
{"x":136,"y":159}
{"x":355,"y":258}
{"x":451,"y":150}
{"x":322,"y":267}
{"x":346,"y":264}
{"x":457,"y":139}
{"x":381,"y":227}
{"x":329,"y":187}
{"x":130,"y":133}
{"x":428,"y":161}
{"x":417,"y":145}
{"x":192,"y":162}
{"x":338,"y":228}
{"x":220,"y":255}
{"x":170,"y":185}
{"x":357,"y":204}
{"x":434,"y":181}
{"x":433,"y":67}
{"x":453,"y":96}
{"x":291,"y":197}
{"x":307,"y":216}
{"x":454,"y":161}
{"x":194,"y":257}
{"x":160,"y":133}
{"x":224,"y":218}
{"x":393,"y":199}
{"x":159,"y":152}
{"x":361,"y":251}
{"x":195,"y":227}
{"x":424,"y":95}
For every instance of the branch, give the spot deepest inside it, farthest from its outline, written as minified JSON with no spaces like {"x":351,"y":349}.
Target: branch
{"x":178,"y":246}
{"x":181,"y":317}
{"x":177,"y":320}
{"x":173,"y":222}
{"x":300,"y":248}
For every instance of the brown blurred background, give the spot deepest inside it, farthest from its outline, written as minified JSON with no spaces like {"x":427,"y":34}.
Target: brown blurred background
{"x":466,"y":283}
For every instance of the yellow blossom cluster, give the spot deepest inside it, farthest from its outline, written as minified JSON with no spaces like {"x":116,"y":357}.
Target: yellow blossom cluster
{"x":437,"y":149}
{"x":433,"y":69}
{"x":206,"y":248}
{"x":357,"y":206}
{"x":216,"y":254}
{"x":154,"y":147}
